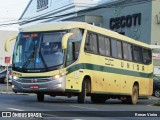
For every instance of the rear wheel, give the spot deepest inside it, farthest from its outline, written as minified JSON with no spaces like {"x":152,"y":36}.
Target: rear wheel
{"x":134,"y":97}
{"x":98,"y":98}
{"x":40,"y":97}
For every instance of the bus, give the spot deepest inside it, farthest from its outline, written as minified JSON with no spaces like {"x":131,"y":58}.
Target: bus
{"x":79,"y":59}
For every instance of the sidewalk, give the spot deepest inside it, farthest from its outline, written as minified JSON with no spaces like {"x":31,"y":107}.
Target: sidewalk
{"x":3,"y":88}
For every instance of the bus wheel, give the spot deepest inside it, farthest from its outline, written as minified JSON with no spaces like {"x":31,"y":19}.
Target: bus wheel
{"x":40,"y":97}
{"x":157,"y":93}
{"x":98,"y":98}
{"x":82,"y":94}
{"x":134,"y":97}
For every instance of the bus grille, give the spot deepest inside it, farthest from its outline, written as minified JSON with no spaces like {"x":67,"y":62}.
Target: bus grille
{"x":34,"y":80}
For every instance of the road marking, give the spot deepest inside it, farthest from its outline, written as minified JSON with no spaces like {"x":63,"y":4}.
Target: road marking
{"x":15,"y":109}
{"x":83,"y":107}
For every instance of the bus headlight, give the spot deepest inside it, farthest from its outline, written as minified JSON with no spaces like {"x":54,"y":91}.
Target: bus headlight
{"x":58,"y":76}
{"x":14,"y":77}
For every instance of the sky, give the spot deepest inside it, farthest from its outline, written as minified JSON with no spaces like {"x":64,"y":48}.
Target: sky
{"x":11,"y":10}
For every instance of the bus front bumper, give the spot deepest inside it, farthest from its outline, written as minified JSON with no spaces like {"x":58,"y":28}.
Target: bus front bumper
{"x":37,"y":85}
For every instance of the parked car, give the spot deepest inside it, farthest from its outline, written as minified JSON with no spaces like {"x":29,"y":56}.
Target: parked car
{"x":156,"y":86}
{"x":3,"y":76}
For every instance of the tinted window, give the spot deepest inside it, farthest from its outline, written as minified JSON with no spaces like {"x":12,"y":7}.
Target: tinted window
{"x":119,"y":48}
{"x":127,"y":51}
{"x":104,"y":46}
{"x":107,"y":45}
{"x":146,"y":56}
{"x":114,"y":48}
{"x":101,"y":41}
{"x":91,"y":43}
{"x":137,"y":54}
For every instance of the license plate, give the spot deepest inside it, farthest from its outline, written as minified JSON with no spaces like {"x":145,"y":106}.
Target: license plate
{"x":34,"y":87}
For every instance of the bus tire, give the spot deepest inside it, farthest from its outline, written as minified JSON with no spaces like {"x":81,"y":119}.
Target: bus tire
{"x":40,"y":97}
{"x":82,"y":94}
{"x":98,"y":98}
{"x":157,"y":93}
{"x":134,"y":97}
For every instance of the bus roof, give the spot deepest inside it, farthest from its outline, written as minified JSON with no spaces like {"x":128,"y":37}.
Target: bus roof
{"x":64,"y":25}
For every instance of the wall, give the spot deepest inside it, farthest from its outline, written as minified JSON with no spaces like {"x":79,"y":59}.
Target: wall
{"x":155,"y":35}
{"x":4,"y":35}
{"x":141,"y":32}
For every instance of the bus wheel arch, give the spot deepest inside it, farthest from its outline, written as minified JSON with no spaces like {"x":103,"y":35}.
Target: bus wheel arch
{"x":85,"y":89}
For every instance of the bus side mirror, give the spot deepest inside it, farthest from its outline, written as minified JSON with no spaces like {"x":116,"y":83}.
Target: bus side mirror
{"x":65,"y":40}
{"x":8,"y":41}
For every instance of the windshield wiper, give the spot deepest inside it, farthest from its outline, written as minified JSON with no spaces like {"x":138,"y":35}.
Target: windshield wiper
{"x":29,"y":59}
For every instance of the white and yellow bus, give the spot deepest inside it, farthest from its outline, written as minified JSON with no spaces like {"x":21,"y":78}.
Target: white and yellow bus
{"x":79,"y":59}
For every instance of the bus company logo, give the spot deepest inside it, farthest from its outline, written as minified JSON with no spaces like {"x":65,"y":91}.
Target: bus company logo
{"x":6,"y":114}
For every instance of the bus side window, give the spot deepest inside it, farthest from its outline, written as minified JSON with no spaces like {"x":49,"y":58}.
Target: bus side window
{"x":74,"y":44}
{"x":91,"y":43}
{"x":137,"y":54}
{"x":101,"y":42}
{"x":114,"y":48}
{"x":107,"y":44}
{"x":127,"y":51}
{"x":119,"y":48}
{"x":104,"y":45}
{"x":146,"y":56}
{"x":88,"y":44}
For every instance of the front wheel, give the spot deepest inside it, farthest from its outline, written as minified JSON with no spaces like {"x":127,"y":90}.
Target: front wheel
{"x":40,"y":97}
{"x":82,"y":94}
{"x":157,"y":93}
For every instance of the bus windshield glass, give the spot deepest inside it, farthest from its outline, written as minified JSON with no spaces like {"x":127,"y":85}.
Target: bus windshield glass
{"x":38,"y":51}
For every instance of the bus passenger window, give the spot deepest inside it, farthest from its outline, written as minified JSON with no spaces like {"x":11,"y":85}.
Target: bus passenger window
{"x":119,"y":48}
{"x":127,"y":51}
{"x":94,"y":39}
{"x":104,"y":46}
{"x":88,"y":44}
{"x":107,"y":45}
{"x":114,"y":48}
{"x":137,"y":54}
{"x":146,"y":56}
{"x":91,"y":43}
{"x":101,"y":41}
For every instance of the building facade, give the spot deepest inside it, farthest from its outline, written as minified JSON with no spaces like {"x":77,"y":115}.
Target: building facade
{"x":138,"y":19}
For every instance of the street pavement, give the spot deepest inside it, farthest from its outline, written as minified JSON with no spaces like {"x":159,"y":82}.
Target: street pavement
{"x":63,"y":108}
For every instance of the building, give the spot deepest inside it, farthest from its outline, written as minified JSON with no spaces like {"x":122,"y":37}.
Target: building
{"x":4,"y":35}
{"x":138,"y":19}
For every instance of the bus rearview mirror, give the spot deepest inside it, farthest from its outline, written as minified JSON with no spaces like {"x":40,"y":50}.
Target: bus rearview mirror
{"x":65,"y":40}
{"x":8,"y":41}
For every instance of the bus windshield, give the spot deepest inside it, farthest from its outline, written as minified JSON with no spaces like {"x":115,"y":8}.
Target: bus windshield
{"x":41,"y":51}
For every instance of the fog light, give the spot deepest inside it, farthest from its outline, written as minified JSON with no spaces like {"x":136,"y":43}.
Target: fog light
{"x":60,"y":85}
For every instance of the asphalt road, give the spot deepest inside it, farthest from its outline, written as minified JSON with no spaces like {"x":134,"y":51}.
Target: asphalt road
{"x":63,"y":108}
{"x":67,"y":108}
